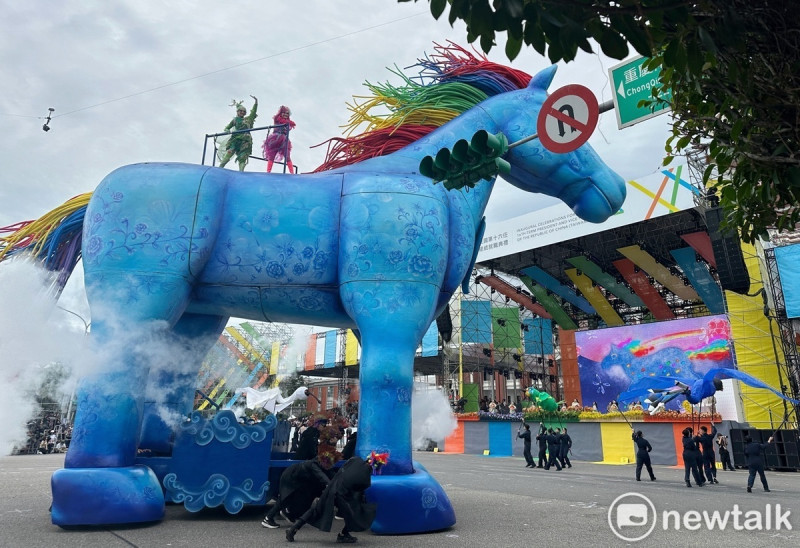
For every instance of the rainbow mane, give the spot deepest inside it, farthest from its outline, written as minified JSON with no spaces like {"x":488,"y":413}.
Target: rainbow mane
{"x":452,"y":81}
{"x":54,"y":238}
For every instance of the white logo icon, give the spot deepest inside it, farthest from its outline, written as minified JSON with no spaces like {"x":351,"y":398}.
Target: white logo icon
{"x":629,"y":516}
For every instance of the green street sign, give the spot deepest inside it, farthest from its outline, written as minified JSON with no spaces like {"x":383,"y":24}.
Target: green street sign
{"x":632,"y":83}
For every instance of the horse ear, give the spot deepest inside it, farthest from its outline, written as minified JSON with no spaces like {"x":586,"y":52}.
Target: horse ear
{"x":543,"y":78}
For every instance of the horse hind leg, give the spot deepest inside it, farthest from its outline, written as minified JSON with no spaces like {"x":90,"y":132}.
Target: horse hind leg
{"x":101,"y":484}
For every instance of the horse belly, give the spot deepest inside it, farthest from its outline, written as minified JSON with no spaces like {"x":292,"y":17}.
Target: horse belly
{"x":307,"y":305}
{"x":281,"y":234}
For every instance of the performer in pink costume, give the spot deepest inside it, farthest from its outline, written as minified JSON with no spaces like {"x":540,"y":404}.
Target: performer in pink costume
{"x":277,"y":143}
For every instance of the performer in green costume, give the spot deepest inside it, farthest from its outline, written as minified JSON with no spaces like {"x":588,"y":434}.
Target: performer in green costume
{"x":240,"y":144}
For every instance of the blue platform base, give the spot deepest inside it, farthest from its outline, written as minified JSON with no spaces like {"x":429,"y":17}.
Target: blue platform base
{"x":104,"y":496}
{"x":412,"y":503}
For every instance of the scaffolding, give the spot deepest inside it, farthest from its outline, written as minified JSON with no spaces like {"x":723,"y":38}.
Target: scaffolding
{"x":787,"y":329}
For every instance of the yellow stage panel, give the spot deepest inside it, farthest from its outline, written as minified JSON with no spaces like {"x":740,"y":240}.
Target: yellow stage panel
{"x":350,"y":348}
{"x":595,"y":297}
{"x":755,"y":352}
{"x":276,"y":355}
{"x":617,"y":443}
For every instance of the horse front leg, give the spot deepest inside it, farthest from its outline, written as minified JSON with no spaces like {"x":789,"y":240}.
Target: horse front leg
{"x":393,"y":257}
{"x":389,"y":339}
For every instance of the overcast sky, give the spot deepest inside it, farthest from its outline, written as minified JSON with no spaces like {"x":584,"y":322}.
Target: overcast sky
{"x":134,"y":81}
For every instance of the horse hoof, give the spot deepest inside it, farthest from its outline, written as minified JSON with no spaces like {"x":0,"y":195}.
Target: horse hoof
{"x":102,"y":496}
{"x":426,"y":506}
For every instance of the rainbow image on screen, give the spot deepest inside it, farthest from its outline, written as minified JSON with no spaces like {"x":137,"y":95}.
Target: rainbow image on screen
{"x":610,"y":360}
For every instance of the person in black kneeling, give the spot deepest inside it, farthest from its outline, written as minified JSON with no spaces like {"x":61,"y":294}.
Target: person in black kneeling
{"x":691,"y":457}
{"x":300,"y":484}
{"x":755,"y":462}
{"x":344,"y":496}
{"x":526,"y":442}
{"x":542,"y":439}
{"x":553,"y":449}
{"x":709,"y":460}
{"x":643,"y":449}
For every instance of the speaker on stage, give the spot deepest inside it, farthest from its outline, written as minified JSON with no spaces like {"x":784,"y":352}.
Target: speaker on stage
{"x":731,"y":268}
{"x":445,"y":325}
{"x":736,"y":437}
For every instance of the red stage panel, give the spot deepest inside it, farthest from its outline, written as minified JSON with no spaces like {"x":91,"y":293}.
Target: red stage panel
{"x":507,"y":290}
{"x":569,"y":366}
{"x":311,"y":353}
{"x":454,"y":443}
{"x":645,"y":290}
{"x":701,"y":242}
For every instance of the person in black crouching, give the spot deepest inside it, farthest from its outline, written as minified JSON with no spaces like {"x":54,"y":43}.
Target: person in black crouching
{"x":299,"y":485}
{"x":344,"y":496}
{"x":643,"y":449}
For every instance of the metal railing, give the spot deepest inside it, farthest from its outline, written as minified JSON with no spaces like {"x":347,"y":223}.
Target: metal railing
{"x":213,"y":137}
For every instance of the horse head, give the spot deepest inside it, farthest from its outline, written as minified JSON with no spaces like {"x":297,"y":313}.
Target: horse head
{"x":579,"y":178}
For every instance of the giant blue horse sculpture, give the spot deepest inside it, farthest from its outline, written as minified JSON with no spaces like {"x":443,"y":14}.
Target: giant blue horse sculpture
{"x":375,"y":247}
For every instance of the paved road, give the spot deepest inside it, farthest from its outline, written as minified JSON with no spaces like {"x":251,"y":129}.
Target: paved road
{"x":498,"y":502}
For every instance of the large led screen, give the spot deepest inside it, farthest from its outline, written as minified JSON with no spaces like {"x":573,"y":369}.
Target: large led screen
{"x":610,"y":360}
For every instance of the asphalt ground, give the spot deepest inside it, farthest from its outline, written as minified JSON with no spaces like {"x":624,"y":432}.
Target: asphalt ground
{"x":498,"y":502}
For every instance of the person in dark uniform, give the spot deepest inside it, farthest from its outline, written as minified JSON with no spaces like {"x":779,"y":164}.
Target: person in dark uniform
{"x":349,"y":449}
{"x":300,"y":484}
{"x":308,"y":444}
{"x":553,"y":450}
{"x":526,"y":440}
{"x":709,"y":461}
{"x":565,"y":446}
{"x":691,"y":458}
{"x":755,"y":462}
{"x":542,"y":439}
{"x":724,"y":454}
{"x":643,"y":449}
{"x":344,"y":496}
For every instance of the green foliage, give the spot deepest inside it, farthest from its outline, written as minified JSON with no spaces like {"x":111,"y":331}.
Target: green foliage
{"x":732,"y":66}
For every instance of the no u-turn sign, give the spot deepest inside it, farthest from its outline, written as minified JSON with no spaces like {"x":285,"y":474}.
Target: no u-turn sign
{"x":567,"y":118}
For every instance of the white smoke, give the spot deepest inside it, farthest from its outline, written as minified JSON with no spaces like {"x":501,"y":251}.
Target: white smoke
{"x":431,"y":417}
{"x":36,"y":331}
{"x":34,"y":335}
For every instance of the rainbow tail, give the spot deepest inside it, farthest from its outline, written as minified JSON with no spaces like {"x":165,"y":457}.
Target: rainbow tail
{"x":53,"y":239}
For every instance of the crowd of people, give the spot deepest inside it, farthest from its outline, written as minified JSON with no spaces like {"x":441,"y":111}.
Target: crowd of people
{"x":503,"y":407}
{"x":554,"y":447}
{"x":699,"y":459}
{"x":48,"y":433}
